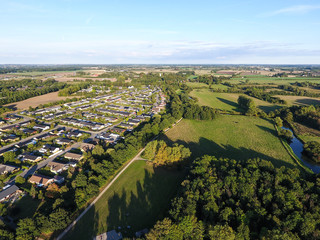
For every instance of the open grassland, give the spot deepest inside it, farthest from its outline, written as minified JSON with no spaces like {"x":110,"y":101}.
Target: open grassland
{"x":227,"y":101}
{"x":197,"y":85}
{"x":138,"y":198}
{"x":232,"y":136}
{"x":305,"y":133}
{"x":299,"y":100}
{"x":36,"y":101}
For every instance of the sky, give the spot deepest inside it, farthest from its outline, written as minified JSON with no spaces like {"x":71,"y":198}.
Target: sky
{"x":160,"y":32}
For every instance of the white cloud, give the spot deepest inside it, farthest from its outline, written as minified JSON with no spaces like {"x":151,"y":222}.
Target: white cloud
{"x":298,"y":9}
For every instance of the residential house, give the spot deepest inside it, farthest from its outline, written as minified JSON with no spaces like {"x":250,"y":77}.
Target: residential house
{"x":48,"y":148}
{"x":41,"y":180}
{"x":41,"y":127}
{"x":57,"y":167}
{"x":9,"y":192}
{"x":85,"y":147}
{"x":117,"y":130}
{"x":10,"y":138}
{"x":63,"y":141}
{"x":58,"y":179}
{"x":29,"y":157}
{"x":4,"y":169}
{"x":73,"y":156}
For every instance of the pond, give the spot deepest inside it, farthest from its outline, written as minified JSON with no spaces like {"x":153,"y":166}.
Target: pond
{"x":297,"y":148}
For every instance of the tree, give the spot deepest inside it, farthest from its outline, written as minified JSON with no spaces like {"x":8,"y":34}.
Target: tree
{"x":9,"y":156}
{"x":219,"y":232}
{"x":26,"y":229}
{"x":33,"y":192}
{"x":278,"y":121}
{"x":20,"y":180}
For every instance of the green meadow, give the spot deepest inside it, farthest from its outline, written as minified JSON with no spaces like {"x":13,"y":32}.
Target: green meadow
{"x":136,"y":200}
{"x":232,"y":136}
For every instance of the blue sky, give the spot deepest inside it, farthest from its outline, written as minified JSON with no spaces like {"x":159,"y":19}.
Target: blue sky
{"x":150,"y":32}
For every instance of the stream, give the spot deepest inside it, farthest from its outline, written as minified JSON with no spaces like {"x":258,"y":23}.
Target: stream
{"x":297,"y":148}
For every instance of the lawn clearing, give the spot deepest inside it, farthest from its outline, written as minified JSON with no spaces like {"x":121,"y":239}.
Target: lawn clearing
{"x":232,"y":136}
{"x":227,"y":101}
{"x":138,"y":198}
{"x":271,"y":80}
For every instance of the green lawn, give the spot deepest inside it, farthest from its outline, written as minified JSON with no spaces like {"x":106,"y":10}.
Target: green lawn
{"x":231,"y":136}
{"x":139,"y":197}
{"x":227,"y":101}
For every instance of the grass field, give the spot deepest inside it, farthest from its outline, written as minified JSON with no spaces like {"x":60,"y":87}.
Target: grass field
{"x":227,"y":101}
{"x":139,"y":197}
{"x":300,"y":100}
{"x":36,"y":101}
{"x":232,"y":136}
{"x":197,"y":85}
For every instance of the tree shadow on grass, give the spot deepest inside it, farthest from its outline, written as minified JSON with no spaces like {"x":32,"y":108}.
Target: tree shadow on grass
{"x":208,"y":147}
{"x":269,"y":130}
{"x":307,"y":101}
{"x":132,"y":211}
{"x":86,"y":228}
{"x":138,"y":208}
{"x":233,"y":104}
{"x":268,"y":109}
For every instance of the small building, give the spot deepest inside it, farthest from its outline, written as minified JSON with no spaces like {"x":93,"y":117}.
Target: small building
{"x":9,"y":192}
{"x":48,"y":148}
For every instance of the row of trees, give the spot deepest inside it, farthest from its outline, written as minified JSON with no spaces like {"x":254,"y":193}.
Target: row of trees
{"x":229,"y":199}
{"x":9,"y":89}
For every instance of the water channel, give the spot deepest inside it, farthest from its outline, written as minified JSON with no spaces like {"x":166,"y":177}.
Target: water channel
{"x":297,"y":148}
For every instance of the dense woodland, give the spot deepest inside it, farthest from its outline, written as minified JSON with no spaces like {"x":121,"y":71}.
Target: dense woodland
{"x":232,"y":199}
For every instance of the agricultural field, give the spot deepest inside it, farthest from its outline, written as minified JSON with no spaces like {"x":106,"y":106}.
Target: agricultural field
{"x":227,"y":101}
{"x":299,"y":100}
{"x":36,"y":101}
{"x":232,"y":136}
{"x":261,"y":79}
{"x":139,"y":197}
